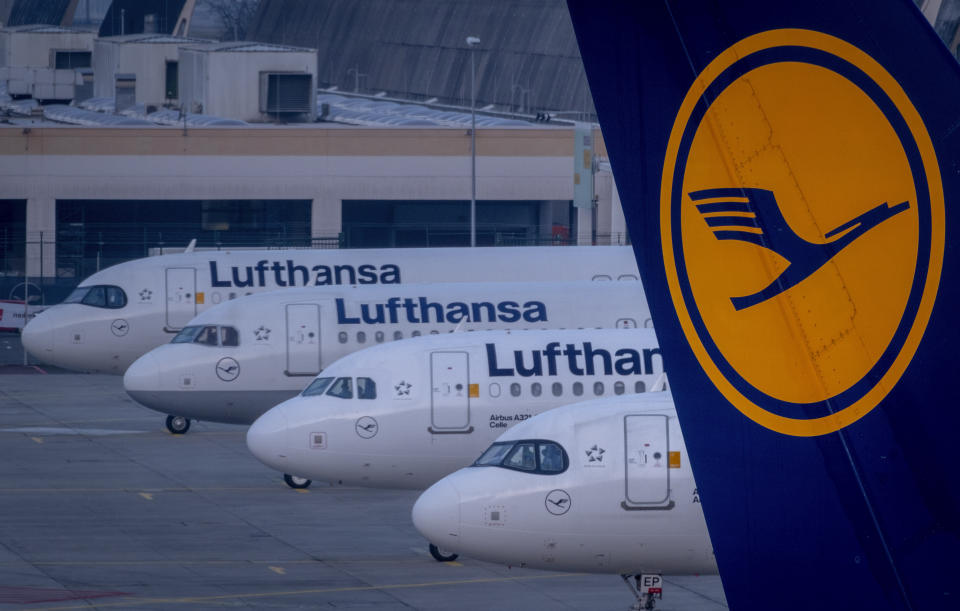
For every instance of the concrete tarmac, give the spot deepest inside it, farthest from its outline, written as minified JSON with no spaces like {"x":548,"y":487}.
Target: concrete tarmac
{"x":101,"y":508}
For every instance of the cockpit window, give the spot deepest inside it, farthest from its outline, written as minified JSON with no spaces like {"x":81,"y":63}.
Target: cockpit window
{"x":229,"y":336}
{"x":342,"y":388}
{"x":186,"y":335}
{"x":530,"y":455}
{"x":366,"y":388}
{"x":494,"y":454}
{"x":551,"y":457}
{"x":317,"y":387}
{"x":100,"y":296}
{"x":207,"y":336}
{"x":523,"y":457}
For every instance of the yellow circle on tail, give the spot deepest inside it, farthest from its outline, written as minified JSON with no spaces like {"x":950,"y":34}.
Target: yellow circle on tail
{"x":802,"y":229}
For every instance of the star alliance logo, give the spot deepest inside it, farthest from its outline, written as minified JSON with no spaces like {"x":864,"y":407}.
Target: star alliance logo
{"x":595,"y":454}
{"x":402,"y":388}
{"x":262,"y":333}
{"x":146,"y":295}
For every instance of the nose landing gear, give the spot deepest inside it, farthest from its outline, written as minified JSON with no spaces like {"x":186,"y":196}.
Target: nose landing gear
{"x":648,"y":588}
{"x":178,"y":425}
{"x":297,"y":483}
{"x":442,"y":555}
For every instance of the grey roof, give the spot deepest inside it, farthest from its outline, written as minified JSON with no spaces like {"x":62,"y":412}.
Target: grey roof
{"x":37,"y":11}
{"x":364,"y":111}
{"x":154,"y":39}
{"x":104,"y":107}
{"x":242,"y":46}
{"x":79,"y":116}
{"x":38,"y":28}
{"x":528,"y":59}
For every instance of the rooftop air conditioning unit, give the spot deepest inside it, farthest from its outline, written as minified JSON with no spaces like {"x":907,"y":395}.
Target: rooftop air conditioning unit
{"x":285,"y":92}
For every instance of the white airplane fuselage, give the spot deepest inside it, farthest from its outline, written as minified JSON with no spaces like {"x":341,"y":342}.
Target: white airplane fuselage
{"x":440,"y":400}
{"x":285,"y":338}
{"x":151,"y":299}
{"x":625,"y":503}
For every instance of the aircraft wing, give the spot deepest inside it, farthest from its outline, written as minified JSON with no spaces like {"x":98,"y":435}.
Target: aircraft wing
{"x":822,"y":420}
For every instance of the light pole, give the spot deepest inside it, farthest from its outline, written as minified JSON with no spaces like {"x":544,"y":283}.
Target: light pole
{"x":472,"y":42}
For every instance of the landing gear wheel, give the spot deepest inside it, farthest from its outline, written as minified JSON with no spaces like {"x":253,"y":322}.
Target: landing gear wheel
{"x":441,"y":555}
{"x":297,"y":483}
{"x":178,"y":425}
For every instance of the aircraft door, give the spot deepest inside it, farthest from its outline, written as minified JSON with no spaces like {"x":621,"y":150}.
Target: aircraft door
{"x":303,"y":339}
{"x":181,"y":290}
{"x":450,"y":392}
{"x":646,"y":461}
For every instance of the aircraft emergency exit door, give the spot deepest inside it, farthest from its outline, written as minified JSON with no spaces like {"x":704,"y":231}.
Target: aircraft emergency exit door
{"x":646,"y":460}
{"x":181,"y":291}
{"x":303,"y":339}
{"x":450,"y":392}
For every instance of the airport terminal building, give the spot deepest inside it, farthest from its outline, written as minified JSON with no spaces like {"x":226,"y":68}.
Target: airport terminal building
{"x":144,"y":136}
{"x":75,"y":199}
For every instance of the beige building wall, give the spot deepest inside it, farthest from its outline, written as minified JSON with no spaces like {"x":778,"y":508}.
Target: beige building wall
{"x":326,"y":165}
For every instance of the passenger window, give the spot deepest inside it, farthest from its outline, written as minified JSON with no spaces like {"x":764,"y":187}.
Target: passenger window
{"x":598,"y":388}
{"x":229,"y":336}
{"x":415,"y":334}
{"x":627,"y":277}
{"x":639,"y":387}
{"x":577,"y":389}
{"x":361,"y":337}
{"x":207,"y":336}
{"x":366,"y":388}
{"x":522,"y":457}
{"x":536,"y":389}
{"x":557,"y":389}
{"x":342,"y":388}
{"x":494,"y":390}
{"x":342,"y":337}
{"x":378,"y":336}
{"x":618,"y":388}
{"x":514,"y":390}
{"x":434,"y":332}
{"x":97,"y":297}
{"x":317,"y":387}
{"x":398,"y":335}
{"x":551,"y":458}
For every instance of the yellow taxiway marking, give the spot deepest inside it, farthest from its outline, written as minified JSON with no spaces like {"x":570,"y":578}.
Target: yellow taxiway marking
{"x":101,"y":490}
{"x":279,"y":570}
{"x":134,"y":602}
{"x":451,"y":563}
{"x":302,"y":490}
{"x":147,"y":496}
{"x":37,"y":439}
{"x":148,"y":563}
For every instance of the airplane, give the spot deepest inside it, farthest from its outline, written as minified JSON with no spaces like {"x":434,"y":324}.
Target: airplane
{"x":426,"y":406}
{"x":236,"y":360}
{"x":120,"y":313}
{"x":813,"y":363}
{"x":601,"y":486}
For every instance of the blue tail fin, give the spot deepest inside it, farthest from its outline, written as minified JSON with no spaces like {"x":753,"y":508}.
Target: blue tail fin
{"x":821,"y":417}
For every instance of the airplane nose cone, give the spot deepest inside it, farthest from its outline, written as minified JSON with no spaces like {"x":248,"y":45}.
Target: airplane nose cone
{"x":37,"y":337}
{"x":142,"y":379}
{"x":267,"y":438}
{"x":436,"y":514}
